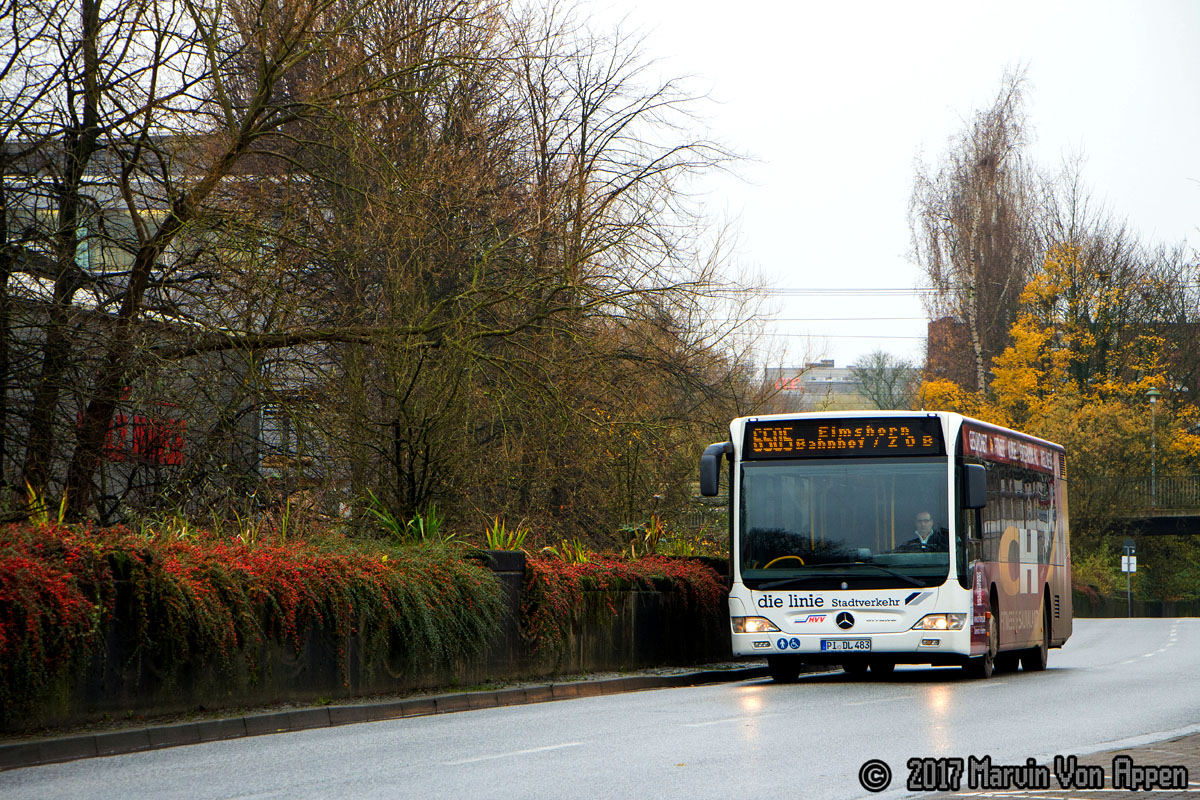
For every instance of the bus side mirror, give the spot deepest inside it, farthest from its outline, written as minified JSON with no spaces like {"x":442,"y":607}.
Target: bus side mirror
{"x":710,"y":467}
{"x":974,"y":486}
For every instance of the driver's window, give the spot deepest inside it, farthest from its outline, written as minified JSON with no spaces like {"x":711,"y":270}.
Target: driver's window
{"x":968,"y":544}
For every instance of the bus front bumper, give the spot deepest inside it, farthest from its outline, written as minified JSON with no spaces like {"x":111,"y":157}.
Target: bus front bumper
{"x":906,"y":647}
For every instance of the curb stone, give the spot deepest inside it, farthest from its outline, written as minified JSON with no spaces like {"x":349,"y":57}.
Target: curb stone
{"x":70,"y":748}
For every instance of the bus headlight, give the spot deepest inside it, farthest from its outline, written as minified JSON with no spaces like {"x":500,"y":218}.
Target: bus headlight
{"x":753,"y":625}
{"x":941,"y":622}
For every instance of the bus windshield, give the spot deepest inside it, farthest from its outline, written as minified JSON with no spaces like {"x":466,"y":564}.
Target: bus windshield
{"x":862,"y":522}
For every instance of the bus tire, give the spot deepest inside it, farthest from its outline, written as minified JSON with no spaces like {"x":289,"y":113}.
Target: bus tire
{"x":1007,"y":661}
{"x":783,"y":669}
{"x":1034,"y":659}
{"x":983,"y":666}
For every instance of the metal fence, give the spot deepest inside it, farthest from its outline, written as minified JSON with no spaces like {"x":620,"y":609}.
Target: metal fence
{"x":1175,"y":493}
{"x":706,"y":517}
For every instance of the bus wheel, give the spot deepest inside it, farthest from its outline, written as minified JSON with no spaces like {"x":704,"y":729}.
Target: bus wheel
{"x":882,"y":668}
{"x":1007,"y":661}
{"x":783,"y":669}
{"x":983,"y":666}
{"x":1034,"y":659}
{"x":857,"y":668}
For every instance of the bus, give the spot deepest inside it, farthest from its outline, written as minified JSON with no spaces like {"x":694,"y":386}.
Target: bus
{"x":871,"y":539}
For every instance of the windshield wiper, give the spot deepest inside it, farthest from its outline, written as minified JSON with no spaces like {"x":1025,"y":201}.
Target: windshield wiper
{"x":801,"y":578}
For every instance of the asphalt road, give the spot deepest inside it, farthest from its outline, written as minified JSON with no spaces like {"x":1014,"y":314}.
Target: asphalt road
{"x":1116,"y":681}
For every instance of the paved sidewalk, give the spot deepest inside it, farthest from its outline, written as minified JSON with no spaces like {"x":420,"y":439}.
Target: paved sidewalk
{"x":51,"y":749}
{"x":1178,"y":755}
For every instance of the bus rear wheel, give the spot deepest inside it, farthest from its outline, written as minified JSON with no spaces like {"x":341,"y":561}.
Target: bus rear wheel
{"x":1034,"y":659}
{"x":783,"y":669}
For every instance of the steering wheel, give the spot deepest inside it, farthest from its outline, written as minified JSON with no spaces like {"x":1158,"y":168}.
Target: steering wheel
{"x":775,"y":561}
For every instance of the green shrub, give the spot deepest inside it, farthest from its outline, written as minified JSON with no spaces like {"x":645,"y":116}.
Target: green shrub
{"x":498,"y":536}
{"x":570,"y":551}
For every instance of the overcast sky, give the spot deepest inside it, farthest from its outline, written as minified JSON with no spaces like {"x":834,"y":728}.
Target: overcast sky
{"x":836,"y":101}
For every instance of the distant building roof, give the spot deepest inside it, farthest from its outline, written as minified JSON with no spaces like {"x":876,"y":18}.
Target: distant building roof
{"x":815,"y":385}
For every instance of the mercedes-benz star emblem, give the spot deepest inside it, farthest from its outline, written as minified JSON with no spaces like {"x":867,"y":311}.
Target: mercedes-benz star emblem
{"x":845,"y":620}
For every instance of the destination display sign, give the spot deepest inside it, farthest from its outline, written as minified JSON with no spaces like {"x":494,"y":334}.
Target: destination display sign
{"x":992,"y":446}
{"x":833,"y":438}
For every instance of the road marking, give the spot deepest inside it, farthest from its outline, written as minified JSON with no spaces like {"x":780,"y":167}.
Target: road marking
{"x":494,"y":756}
{"x":749,"y":718}
{"x":713,"y":722}
{"x":883,"y":700}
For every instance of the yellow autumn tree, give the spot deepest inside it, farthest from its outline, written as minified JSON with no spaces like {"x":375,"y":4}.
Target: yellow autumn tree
{"x":1078,"y":373}
{"x":944,"y":395}
{"x":1028,"y":373}
{"x":1083,"y":307}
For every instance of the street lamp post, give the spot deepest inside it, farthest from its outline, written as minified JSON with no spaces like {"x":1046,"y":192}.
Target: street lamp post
{"x":1153,"y":394}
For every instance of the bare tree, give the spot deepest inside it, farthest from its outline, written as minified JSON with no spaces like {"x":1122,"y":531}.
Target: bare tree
{"x":426,"y":252}
{"x":972,"y":222}
{"x":888,"y":381}
{"x":121,"y":122}
{"x":1094,"y":285}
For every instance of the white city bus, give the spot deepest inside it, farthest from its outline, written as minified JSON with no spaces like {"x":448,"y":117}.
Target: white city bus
{"x":829,"y":563}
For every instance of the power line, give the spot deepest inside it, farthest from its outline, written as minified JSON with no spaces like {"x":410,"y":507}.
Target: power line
{"x":849,"y":319}
{"x":845,"y":291}
{"x":843,"y":336}
{"x":828,"y":319}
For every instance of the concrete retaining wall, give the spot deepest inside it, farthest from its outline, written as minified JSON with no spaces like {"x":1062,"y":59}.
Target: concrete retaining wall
{"x":1091,"y":605}
{"x":619,"y":630}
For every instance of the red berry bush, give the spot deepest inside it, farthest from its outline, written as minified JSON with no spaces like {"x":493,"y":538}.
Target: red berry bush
{"x":211,"y":600}
{"x":552,"y":601}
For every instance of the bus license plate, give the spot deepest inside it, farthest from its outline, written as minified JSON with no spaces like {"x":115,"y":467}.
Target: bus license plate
{"x":842,"y":645}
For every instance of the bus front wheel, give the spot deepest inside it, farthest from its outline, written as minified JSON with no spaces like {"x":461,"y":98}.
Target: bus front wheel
{"x":983,"y":666}
{"x":783,"y":669}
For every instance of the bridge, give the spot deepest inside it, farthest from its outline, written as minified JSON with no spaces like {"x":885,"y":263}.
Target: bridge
{"x":1159,"y":505}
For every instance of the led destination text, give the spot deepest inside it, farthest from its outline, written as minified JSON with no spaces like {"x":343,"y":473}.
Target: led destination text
{"x":998,"y":447}
{"x":830,"y":437}
{"x":823,"y":438}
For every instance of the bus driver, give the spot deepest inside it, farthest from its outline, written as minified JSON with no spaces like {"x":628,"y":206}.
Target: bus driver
{"x":925,"y":539}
